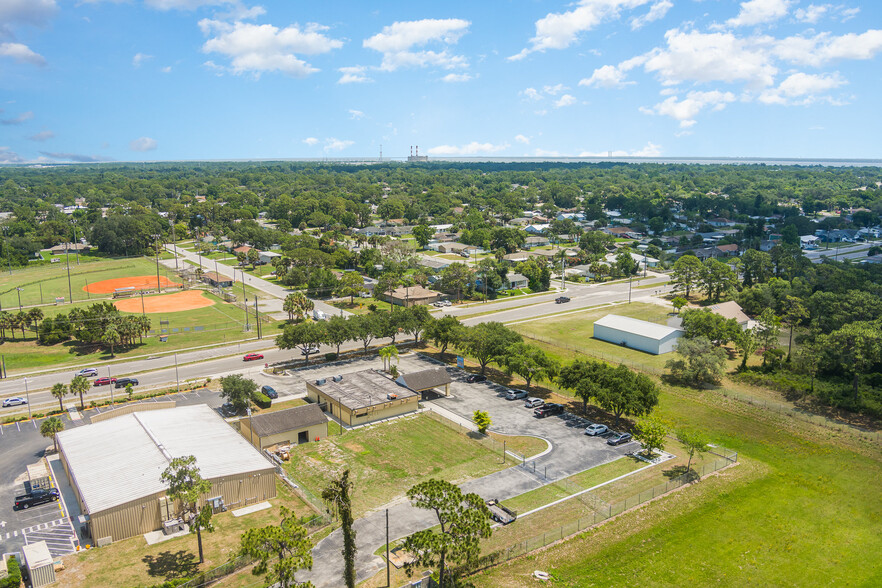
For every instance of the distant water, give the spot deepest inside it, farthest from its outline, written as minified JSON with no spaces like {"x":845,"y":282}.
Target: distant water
{"x":675,"y":160}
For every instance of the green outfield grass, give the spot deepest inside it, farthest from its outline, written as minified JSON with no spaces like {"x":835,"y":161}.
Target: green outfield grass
{"x":222,"y":322}
{"x":43,"y":283}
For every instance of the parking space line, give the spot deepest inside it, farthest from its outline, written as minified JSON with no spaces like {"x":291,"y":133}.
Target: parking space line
{"x":17,"y":427}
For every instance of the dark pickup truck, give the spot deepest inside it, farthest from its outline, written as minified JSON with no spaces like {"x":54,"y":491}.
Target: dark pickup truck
{"x":36,"y":497}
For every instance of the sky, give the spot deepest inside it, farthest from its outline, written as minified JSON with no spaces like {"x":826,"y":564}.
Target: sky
{"x":146,"y":80}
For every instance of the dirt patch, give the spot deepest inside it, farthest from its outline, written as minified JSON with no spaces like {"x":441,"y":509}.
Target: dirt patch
{"x":137,"y":282}
{"x":189,"y":300}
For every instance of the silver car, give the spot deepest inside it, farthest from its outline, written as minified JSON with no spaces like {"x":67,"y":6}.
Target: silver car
{"x":533,"y":402}
{"x":596,"y":429}
{"x":515,"y":394}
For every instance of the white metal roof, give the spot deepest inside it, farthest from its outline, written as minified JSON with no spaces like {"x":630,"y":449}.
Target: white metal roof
{"x":37,"y":555}
{"x":636,"y":326}
{"x":119,"y":460}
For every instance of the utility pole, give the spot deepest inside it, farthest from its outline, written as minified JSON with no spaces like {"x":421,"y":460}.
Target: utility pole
{"x":629,"y":287}
{"x":245,"y":300}
{"x":28,"y":399}
{"x":257,"y":316}
{"x":174,"y":242}
{"x":177,"y":379}
{"x":156,"y":244}
{"x":388,"y":581}
{"x":76,"y":249}
{"x":69,"y":288}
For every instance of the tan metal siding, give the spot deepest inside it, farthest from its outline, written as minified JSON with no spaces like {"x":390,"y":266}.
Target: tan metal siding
{"x":130,"y":408}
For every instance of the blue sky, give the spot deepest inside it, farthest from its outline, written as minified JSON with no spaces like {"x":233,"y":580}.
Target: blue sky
{"x":94,"y":80}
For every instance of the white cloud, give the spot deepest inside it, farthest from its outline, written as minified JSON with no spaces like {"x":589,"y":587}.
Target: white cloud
{"x":546,"y":153}
{"x":710,"y":57}
{"x":353,"y":74}
{"x":9,"y":156}
{"x":649,"y":150}
{"x":565,"y":100}
{"x":559,"y":30}
{"x":266,"y":48}
{"x":311,"y":141}
{"x":332,"y":144}
{"x":532,"y":94}
{"x":397,"y":41}
{"x":140,"y":58}
{"x":183,"y":4}
{"x":457,"y":77}
{"x":757,"y":12}
{"x":824,"y":48}
{"x":166,"y":69}
{"x":608,"y":76}
{"x":21,"y":118}
{"x":42,"y":136}
{"x":554,"y":90}
{"x":656,"y":12}
{"x":472,"y":148}
{"x":29,"y":12}
{"x":803,"y":89}
{"x":522,"y":139}
{"x":21,"y":53}
{"x":687,"y":109}
{"x":812,"y":13}
{"x":77,"y":157}
{"x":355,"y":114}
{"x":143,"y":144}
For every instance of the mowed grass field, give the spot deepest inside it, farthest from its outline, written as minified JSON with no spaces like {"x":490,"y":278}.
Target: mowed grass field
{"x":803,"y":506}
{"x":42,"y":284}
{"x":221,"y":322}
{"x":573,"y":332}
{"x":387,"y":459}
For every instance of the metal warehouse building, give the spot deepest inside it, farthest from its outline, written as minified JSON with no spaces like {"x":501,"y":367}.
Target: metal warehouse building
{"x":114,"y":467}
{"x":637,"y":334}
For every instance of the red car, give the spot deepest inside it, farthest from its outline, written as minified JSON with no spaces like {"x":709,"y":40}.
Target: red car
{"x":253,"y":356}
{"x":104,"y":381}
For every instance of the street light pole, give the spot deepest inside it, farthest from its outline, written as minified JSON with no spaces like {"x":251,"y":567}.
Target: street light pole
{"x":629,"y":288}
{"x":156,"y":244}
{"x":245,"y":305}
{"x":177,"y":379}
{"x":69,"y":288}
{"x":27,"y":397}
{"x":174,"y":242}
{"x":18,"y":291}
{"x":77,"y":249}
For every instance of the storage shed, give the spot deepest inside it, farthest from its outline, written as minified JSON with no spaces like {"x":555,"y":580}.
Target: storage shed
{"x":114,"y":467}
{"x":426,"y":380}
{"x":292,"y":426}
{"x":636,"y":334}
{"x":362,"y":397}
{"x":38,"y":560}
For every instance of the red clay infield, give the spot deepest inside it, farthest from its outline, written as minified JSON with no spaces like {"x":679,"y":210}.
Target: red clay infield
{"x":187,"y":300}
{"x":139,"y":282}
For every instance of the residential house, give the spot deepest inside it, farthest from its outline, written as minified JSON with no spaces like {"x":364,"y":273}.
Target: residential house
{"x":455,"y":248}
{"x":517,"y":257}
{"x":266,"y":257}
{"x":809,"y":241}
{"x":620,"y":232}
{"x":728,"y":250}
{"x":731,"y":310}
{"x":537,"y":229}
{"x":411,"y":295}
{"x":767,"y":245}
{"x":535,"y":241}
{"x":217,"y":280}
{"x":433,"y":263}
{"x":720,"y":222}
{"x":242,"y":249}
{"x":515,"y":280}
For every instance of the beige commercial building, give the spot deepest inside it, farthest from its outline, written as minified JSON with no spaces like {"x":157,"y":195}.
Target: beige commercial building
{"x":362,"y":397}
{"x":291,"y":426}
{"x":114,"y":467}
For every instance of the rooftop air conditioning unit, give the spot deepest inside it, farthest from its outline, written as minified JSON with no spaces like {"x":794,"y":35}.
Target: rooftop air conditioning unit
{"x":337,"y":378}
{"x":321,"y":382}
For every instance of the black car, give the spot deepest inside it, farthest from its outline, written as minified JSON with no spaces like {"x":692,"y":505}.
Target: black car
{"x":618,"y":438}
{"x":269,"y":392}
{"x":561,"y":299}
{"x":548,"y":410}
{"x":36,"y":497}
{"x":227,"y":409}
{"x":123,"y":382}
{"x":476,"y":378}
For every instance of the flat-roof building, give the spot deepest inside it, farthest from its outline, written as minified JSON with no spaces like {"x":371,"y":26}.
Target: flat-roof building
{"x":362,"y":397}
{"x":426,"y":380}
{"x":115,"y":465}
{"x":636,"y":334}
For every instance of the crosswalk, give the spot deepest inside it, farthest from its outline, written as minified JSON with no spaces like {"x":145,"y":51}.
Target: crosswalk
{"x":59,"y":535}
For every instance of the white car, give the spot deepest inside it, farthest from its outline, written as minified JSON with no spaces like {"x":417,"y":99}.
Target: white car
{"x":515,"y":394}
{"x":533,"y":402}
{"x":596,"y":429}
{"x":14,"y":402}
{"x":88,"y":372}
{"x":446,"y":303}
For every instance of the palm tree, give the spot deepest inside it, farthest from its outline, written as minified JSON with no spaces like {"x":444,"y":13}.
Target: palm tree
{"x":4,"y":323}
{"x":145,"y":326}
{"x":35,"y":315}
{"x":111,"y":338}
{"x":50,"y":427}
{"x":289,"y":305}
{"x":387,"y":353}
{"x":59,"y":391}
{"x":13,"y":322}
{"x":80,"y":385}
{"x":22,"y":320}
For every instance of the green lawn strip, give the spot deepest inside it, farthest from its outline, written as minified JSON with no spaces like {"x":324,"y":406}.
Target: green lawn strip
{"x":795,"y":503}
{"x":387,"y":459}
{"x":526,"y":446}
{"x":282,"y":404}
{"x":127,"y":563}
{"x":361,"y":305}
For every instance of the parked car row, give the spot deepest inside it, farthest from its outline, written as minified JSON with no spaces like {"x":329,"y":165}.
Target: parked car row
{"x":441,"y":303}
{"x":542,"y":409}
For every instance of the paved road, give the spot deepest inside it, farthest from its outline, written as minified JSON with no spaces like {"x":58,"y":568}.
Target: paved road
{"x":273,"y":290}
{"x":571,"y":452}
{"x":858,"y":252}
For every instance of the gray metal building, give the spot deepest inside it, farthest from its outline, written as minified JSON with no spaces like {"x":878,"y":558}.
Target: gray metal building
{"x":636,"y":334}
{"x":114,"y":467}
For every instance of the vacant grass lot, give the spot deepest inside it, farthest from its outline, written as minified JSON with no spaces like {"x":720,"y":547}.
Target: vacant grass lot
{"x":573,"y":332}
{"x":133,"y":563}
{"x":222,"y":323}
{"x":387,"y":459}
{"x":801,"y":499}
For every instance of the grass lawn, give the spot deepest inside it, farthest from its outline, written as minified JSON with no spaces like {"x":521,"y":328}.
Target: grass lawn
{"x":133,"y":563}
{"x":41,"y":284}
{"x":222,"y":323}
{"x":361,"y":305}
{"x":574,"y":332}
{"x":387,"y":459}
{"x":801,"y":499}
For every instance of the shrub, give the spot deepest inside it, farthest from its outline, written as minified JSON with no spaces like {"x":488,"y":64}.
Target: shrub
{"x":330,"y":356}
{"x":13,"y":580}
{"x":261,"y":400}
